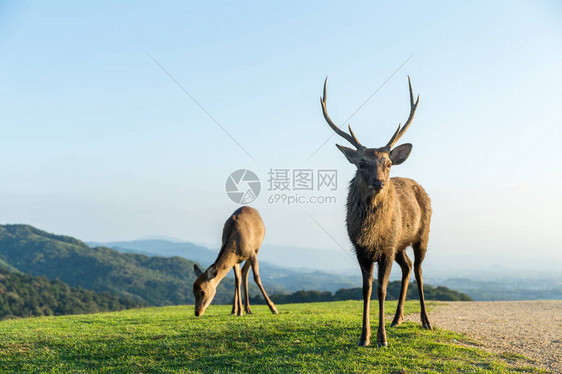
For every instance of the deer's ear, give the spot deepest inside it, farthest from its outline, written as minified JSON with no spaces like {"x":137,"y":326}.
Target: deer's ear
{"x":350,"y":154}
{"x":211,"y":272}
{"x":399,"y":154}
{"x":197,"y":270}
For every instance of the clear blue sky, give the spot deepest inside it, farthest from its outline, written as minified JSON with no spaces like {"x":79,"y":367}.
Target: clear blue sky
{"x":99,"y":143}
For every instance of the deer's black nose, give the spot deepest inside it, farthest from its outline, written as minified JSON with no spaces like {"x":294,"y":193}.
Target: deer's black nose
{"x":377,"y":185}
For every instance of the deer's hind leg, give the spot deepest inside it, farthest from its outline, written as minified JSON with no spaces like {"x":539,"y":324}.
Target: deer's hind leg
{"x":245,"y":271}
{"x":420,"y":249}
{"x":256,"y":271}
{"x":405,"y":263}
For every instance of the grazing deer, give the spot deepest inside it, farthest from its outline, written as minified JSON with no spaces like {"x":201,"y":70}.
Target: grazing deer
{"x":242,"y":236}
{"x":384,"y":216}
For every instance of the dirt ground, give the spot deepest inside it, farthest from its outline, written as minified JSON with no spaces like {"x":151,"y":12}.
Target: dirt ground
{"x":529,"y":328}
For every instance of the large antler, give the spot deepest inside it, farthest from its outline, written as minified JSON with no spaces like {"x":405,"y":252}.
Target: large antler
{"x":400,"y":131}
{"x":349,"y":137}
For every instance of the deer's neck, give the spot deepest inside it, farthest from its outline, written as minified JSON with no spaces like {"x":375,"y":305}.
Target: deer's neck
{"x":226,"y":260}
{"x":369,"y":219}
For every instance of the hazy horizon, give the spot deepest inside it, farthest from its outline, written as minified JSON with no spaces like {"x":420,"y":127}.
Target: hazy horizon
{"x":103,"y":145}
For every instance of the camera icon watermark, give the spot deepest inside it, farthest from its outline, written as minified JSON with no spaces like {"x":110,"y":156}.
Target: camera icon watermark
{"x":243,"y":186}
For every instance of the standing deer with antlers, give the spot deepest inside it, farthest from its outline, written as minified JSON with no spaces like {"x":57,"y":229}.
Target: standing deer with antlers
{"x":242,"y":237}
{"x":384,"y":216}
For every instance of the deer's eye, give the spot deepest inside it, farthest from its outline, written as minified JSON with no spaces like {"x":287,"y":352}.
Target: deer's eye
{"x":202,"y":293}
{"x":361,"y":164}
{"x":388,"y":165}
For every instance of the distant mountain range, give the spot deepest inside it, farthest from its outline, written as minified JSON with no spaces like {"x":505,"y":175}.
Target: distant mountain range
{"x":306,"y":259}
{"x":514,"y":288}
{"x":279,"y":278}
{"x":286,"y":269}
{"x":161,"y":247}
{"x":153,"y":272}
{"x":160,"y":272}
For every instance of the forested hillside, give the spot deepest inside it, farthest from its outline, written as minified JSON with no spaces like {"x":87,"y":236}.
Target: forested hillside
{"x":151,"y":280}
{"x":393,"y":292}
{"x":24,"y":295}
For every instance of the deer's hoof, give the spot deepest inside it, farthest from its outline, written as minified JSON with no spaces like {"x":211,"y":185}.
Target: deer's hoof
{"x":248,"y":311}
{"x":395,"y":323}
{"x":364,"y":342}
{"x":274,"y":311}
{"x":382,"y":344}
{"x":427,"y":325}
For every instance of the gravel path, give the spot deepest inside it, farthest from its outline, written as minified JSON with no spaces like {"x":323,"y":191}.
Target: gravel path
{"x":529,"y":328}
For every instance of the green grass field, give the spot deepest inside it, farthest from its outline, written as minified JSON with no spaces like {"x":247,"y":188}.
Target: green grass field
{"x":320,"y":337}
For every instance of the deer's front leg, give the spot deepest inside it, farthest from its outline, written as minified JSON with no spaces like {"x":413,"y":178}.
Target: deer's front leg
{"x":245,"y":270}
{"x":238,"y":287}
{"x":367,"y":272}
{"x":385,"y":264}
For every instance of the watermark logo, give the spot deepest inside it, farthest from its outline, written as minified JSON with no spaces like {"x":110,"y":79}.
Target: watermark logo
{"x":243,"y":186}
{"x":284,"y":186}
{"x":299,"y":186}
{"x":302,"y":179}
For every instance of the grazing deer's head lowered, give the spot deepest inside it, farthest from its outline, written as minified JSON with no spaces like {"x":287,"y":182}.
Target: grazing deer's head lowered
{"x":204,"y":288}
{"x":373,"y":164}
{"x":384,"y":216}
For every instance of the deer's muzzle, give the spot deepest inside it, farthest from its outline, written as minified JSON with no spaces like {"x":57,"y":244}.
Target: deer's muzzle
{"x":376,"y":185}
